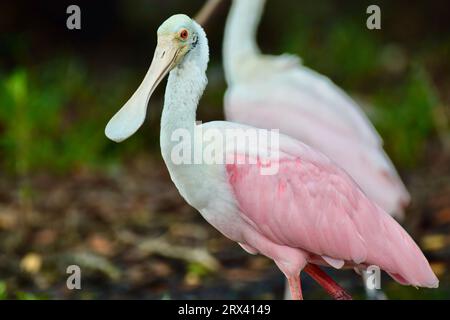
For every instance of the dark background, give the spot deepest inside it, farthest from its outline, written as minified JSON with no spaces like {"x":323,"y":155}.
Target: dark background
{"x":70,"y":196}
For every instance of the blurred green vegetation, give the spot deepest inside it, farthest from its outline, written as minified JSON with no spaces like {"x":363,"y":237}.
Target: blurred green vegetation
{"x":406,"y":116}
{"x":54,"y":112}
{"x":35,"y":134}
{"x":53,"y":117}
{"x":19,"y":295}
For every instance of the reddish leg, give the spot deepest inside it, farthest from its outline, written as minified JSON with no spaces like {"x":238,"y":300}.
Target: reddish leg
{"x":295,"y":287}
{"x":325,"y":281}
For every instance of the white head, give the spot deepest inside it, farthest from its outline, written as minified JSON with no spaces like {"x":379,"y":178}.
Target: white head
{"x":179,"y":38}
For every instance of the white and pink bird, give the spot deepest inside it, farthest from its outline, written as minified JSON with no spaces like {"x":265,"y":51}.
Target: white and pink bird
{"x":309,"y":213}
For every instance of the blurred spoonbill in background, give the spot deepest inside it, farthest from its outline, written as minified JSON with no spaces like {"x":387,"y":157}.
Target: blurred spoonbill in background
{"x":308,"y":212}
{"x":279,"y":92}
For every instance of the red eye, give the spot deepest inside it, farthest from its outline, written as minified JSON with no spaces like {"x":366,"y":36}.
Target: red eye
{"x":184,"y":34}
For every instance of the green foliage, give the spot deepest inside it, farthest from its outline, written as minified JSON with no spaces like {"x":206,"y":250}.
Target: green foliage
{"x":20,"y":295}
{"x":396,"y":292}
{"x":15,"y":118}
{"x":405,"y":117}
{"x":197,"y":269}
{"x":351,"y":50}
{"x":343,"y":50}
{"x":3,"y":294}
{"x":53,"y":116}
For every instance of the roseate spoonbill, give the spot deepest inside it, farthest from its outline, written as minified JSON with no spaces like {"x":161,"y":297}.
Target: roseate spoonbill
{"x":310,"y":212}
{"x":279,"y":92}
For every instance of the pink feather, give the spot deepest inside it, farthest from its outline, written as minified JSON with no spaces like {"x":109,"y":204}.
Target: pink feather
{"x":314,"y":206}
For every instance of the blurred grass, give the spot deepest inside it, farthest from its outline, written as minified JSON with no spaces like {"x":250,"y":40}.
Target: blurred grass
{"x":54,"y":112}
{"x":19,"y":295}
{"x":405,"y":115}
{"x":53,"y":117}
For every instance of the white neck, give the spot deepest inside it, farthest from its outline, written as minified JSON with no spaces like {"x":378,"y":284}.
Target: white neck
{"x":240,"y":35}
{"x":185,"y":86}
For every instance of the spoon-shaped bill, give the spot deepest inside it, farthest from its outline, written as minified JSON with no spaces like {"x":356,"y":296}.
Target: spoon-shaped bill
{"x":131,"y":116}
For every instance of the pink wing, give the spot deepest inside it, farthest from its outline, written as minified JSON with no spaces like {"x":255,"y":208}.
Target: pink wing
{"x":308,"y":107}
{"x":313,"y":205}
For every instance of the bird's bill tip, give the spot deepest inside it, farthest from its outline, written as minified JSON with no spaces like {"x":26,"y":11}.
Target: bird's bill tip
{"x":132,"y":115}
